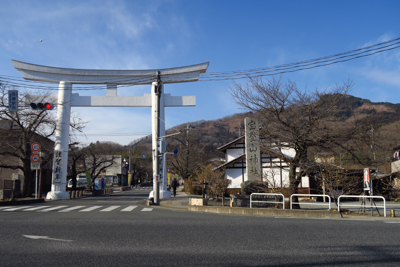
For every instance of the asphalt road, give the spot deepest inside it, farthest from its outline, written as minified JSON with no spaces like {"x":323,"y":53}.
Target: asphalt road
{"x":166,"y":237}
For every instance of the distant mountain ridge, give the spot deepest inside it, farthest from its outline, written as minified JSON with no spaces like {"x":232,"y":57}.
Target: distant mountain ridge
{"x":215,"y":133}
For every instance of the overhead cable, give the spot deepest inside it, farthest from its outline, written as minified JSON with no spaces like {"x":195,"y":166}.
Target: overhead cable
{"x":225,"y":75}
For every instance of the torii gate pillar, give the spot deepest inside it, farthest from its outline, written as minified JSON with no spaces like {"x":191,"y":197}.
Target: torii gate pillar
{"x":60,"y":163}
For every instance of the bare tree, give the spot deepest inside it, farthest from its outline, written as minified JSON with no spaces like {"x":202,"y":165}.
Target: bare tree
{"x":299,"y":119}
{"x":76,"y":157}
{"x":22,"y":128}
{"x":191,"y":153}
{"x":334,"y":180}
{"x":99,"y":156}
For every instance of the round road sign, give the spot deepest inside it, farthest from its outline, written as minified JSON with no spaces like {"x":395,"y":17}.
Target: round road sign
{"x":35,"y":147}
{"x":35,"y":158}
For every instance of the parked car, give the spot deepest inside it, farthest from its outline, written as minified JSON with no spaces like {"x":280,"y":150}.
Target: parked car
{"x":80,"y":182}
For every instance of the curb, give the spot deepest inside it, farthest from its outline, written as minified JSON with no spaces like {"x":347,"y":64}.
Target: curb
{"x":268,"y":212}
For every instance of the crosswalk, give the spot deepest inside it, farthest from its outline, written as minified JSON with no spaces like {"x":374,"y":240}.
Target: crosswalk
{"x":64,"y":208}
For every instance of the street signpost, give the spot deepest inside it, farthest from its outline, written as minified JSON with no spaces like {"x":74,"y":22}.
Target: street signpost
{"x":35,"y":163}
{"x":35,"y":147}
{"x":35,"y":158}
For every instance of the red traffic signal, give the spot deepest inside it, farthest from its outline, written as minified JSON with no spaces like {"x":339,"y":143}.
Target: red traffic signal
{"x":42,"y":106}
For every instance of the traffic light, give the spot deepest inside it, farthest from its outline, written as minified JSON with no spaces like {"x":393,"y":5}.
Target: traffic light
{"x":42,"y":106}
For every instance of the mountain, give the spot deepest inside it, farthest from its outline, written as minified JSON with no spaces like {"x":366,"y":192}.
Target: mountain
{"x":383,"y":117}
{"x":213,"y":133}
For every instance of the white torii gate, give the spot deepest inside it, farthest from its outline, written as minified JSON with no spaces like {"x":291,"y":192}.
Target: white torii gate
{"x":157,"y":100}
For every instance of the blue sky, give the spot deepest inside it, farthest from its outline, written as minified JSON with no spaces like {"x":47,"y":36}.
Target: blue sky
{"x":231,"y":35}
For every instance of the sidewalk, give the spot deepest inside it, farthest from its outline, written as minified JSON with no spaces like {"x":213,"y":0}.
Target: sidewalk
{"x":181,"y":201}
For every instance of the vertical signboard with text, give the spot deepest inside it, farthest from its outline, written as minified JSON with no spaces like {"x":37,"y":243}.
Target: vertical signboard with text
{"x":57,"y":166}
{"x":12,"y":100}
{"x":252,"y":144}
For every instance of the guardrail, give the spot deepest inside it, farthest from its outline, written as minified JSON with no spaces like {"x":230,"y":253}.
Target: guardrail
{"x":354,"y":196}
{"x":267,"y":194}
{"x":312,"y":203}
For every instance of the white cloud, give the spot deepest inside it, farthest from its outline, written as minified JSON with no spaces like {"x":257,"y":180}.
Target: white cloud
{"x":391,"y":78}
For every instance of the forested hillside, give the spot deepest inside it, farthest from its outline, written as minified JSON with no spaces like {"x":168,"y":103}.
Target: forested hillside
{"x":383,"y":120}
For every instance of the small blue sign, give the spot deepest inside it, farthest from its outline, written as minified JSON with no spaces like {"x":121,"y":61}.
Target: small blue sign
{"x":143,"y":156}
{"x":175,"y":151}
{"x":12,"y":100}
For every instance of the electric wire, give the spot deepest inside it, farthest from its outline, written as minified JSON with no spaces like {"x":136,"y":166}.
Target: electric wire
{"x":220,"y":76}
{"x":303,"y":65}
{"x":396,"y":40}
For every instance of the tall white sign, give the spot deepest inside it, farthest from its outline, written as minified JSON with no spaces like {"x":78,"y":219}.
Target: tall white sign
{"x":252,"y":144}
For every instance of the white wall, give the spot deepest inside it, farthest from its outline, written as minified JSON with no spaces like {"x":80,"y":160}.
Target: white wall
{"x":233,"y":153}
{"x":235,"y":175}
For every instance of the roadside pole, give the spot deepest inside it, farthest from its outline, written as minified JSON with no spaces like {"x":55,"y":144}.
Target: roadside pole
{"x":156,"y":126}
{"x":36,"y":185}
{"x":35,"y":164}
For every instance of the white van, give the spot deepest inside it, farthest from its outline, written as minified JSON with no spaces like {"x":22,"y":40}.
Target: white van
{"x":80,"y":182}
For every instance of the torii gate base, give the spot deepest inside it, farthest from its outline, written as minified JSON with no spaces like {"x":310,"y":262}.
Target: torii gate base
{"x":65,"y":100}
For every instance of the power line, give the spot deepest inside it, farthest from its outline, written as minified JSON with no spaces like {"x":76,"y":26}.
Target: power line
{"x":303,"y":65}
{"x":227,"y":75}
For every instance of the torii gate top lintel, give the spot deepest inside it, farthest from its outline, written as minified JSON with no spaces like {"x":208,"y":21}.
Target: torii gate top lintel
{"x":42,"y":73}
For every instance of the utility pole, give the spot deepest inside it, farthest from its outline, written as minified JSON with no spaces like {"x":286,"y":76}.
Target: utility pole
{"x":373,"y":142}
{"x":187,"y":134}
{"x":157,"y":155}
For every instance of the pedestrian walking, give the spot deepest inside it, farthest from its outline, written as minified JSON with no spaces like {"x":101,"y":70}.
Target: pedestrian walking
{"x":174,"y":185}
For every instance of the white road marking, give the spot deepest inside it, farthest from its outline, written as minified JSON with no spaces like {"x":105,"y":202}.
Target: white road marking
{"x":16,"y":208}
{"x":45,"y":237}
{"x":90,"y":208}
{"x":52,"y":208}
{"x":147,"y":209}
{"x":72,"y":208}
{"x":129,"y":208}
{"x":111,"y":208}
{"x":36,"y":208}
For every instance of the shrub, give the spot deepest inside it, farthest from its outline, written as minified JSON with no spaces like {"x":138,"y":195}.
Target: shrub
{"x":250,"y":187}
{"x":190,"y":189}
